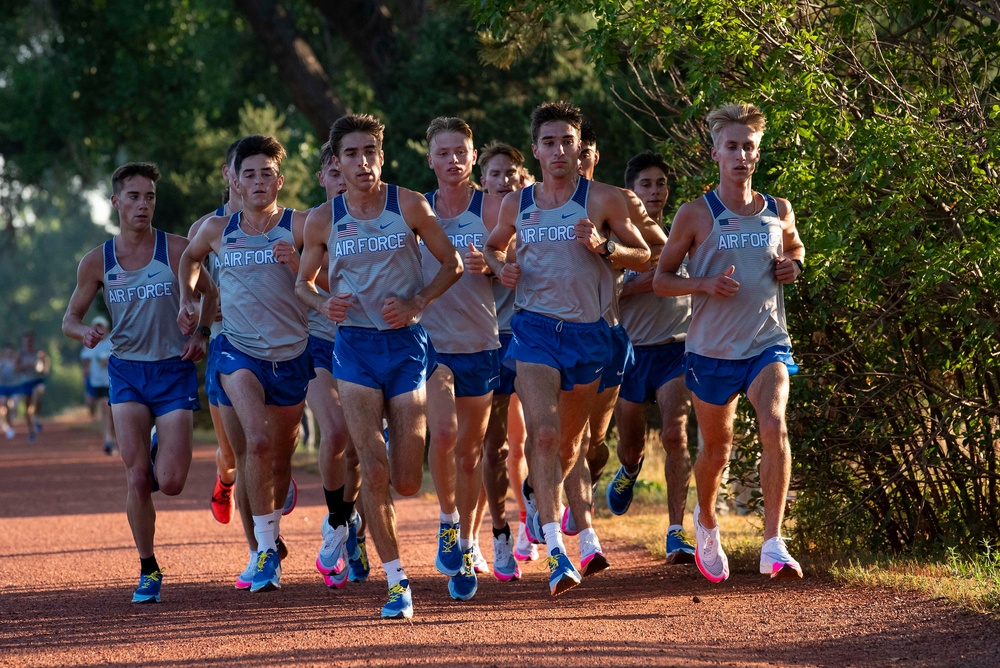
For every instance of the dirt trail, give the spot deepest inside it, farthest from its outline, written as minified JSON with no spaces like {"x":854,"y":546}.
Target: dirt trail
{"x":68,"y":567}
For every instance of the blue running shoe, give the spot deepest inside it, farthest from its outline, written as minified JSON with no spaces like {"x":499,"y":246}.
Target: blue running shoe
{"x":449,"y":555}
{"x":154,"y":448}
{"x":463,"y":586}
{"x":148,"y":590}
{"x":358,"y":563}
{"x":680,"y":550}
{"x":620,"y":490}
{"x":268,"y":573}
{"x":400,"y":604}
{"x":353,"y":527}
{"x":535,"y":526}
{"x":531,"y":517}
{"x":562,"y":573}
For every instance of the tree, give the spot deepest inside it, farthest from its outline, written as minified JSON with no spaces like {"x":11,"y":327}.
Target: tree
{"x":882,"y":132}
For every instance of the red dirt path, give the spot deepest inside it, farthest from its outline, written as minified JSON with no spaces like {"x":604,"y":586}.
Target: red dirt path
{"x":68,"y":566}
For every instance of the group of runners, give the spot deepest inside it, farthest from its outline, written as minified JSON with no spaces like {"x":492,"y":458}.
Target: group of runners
{"x":508,"y":322}
{"x":22,"y":376}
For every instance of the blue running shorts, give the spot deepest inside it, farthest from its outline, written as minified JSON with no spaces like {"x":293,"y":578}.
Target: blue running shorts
{"x":285,"y":383}
{"x":212,"y":387}
{"x":322,"y":353}
{"x":580,"y":351}
{"x":655,"y":366}
{"x":163,"y":386}
{"x":714,"y":381}
{"x":395,"y":361}
{"x":476,"y":374}
{"x":622,"y":359}
{"x":507,"y":374}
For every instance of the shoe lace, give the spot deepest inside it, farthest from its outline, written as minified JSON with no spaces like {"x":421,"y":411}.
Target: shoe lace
{"x":261,"y":560}
{"x":223,"y":494}
{"x":450,"y":538}
{"x":681,"y":536}
{"x":396,"y":592}
{"x":149,"y":578}
{"x":363,"y":555}
{"x":623,"y":483}
{"x":551,"y":563}
{"x":468,"y":565}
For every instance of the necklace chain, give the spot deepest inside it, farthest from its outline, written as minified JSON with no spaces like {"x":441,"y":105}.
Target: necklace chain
{"x":257,"y":229}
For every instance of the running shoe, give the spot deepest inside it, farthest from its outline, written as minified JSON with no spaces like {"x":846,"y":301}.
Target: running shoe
{"x":463,"y":585}
{"x":709,"y":556}
{"x":505,"y":566}
{"x":776,"y":562}
{"x":449,"y":555}
{"x":148,"y":590}
{"x":535,"y":528}
{"x":530,"y":515}
{"x":479,"y":561}
{"x":245,"y":579}
{"x":291,"y":498}
{"x":9,"y":433}
{"x":282,"y":547}
{"x":620,"y":490}
{"x":562,"y":574}
{"x":353,"y":528}
{"x":524,"y":549}
{"x":154,"y":448}
{"x":679,"y":548}
{"x":569,"y":527}
{"x":109,"y":448}
{"x":358,"y":563}
{"x":594,"y":563}
{"x":332,"y":554}
{"x":267,"y":573}
{"x":338,"y":577}
{"x":400,"y":604}
{"x":222,"y":502}
{"x":33,"y":436}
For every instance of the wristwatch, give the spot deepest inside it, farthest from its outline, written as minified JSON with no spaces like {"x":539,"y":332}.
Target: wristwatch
{"x":609,"y":248}
{"x":205,"y":331}
{"x":799,"y":262}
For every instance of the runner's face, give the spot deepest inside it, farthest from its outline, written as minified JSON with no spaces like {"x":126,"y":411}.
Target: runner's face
{"x":360,"y":161}
{"x":331,"y":179}
{"x":501,"y":175}
{"x":135,"y":203}
{"x":589,"y":157}
{"x":558,"y":149}
{"x":737,"y":151}
{"x":259,"y":181}
{"x":451,"y":157}
{"x":651,"y":188}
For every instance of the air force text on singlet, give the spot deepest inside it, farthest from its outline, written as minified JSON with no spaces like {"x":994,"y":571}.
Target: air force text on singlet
{"x":148,"y":291}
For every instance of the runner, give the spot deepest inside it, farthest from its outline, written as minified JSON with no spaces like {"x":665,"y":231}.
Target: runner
{"x":657,"y":327}
{"x":742,"y":247}
{"x":338,"y":460}
{"x":561,"y":340}
{"x":32,"y":367}
{"x":382,"y":356}
{"x":96,"y":361}
{"x":263,"y":364}
{"x":501,"y":166}
{"x":153,"y":378}
{"x":462,"y":325}
{"x":8,"y":388}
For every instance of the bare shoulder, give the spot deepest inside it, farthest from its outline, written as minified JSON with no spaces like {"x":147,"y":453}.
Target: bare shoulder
{"x":93,"y":261}
{"x":196,"y":225}
{"x":784,"y":207}
{"x":413,"y":204}
{"x":693,"y":212}
{"x":604,"y":193}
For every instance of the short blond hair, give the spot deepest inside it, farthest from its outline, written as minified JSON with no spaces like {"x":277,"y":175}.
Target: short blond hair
{"x":443,"y":124}
{"x":735,"y":113}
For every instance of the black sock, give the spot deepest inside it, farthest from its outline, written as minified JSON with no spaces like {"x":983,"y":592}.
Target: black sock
{"x":148,"y":565}
{"x":528,"y":489}
{"x":333,"y":499}
{"x":502,"y":532}
{"x":344,"y":516}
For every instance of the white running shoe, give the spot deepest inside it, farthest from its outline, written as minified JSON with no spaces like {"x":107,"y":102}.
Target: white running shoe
{"x":708,"y":555}
{"x":776,"y":562}
{"x":524,"y":549}
{"x":333,"y":551}
{"x":479,"y":563}
{"x":244,"y":579}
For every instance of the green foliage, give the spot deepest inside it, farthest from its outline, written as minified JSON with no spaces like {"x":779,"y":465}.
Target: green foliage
{"x":882,"y":133}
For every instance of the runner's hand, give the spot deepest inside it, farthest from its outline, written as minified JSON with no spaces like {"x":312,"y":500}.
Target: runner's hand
{"x":474,"y":262}
{"x":400,"y":312}
{"x":93,"y":336}
{"x":336,"y":306}
{"x":286,"y":254}
{"x":510,"y":274}
{"x":721,"y":285}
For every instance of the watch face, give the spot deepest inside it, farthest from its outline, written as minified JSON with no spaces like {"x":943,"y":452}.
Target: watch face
{"x":611,"y":246}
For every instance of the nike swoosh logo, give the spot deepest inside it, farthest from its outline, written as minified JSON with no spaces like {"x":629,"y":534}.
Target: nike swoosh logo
{"x":461,"y":225}
{"x":494,"y":378}
{"x":568,"y":215}
{"x":621,"y":373}
{"x":192,"y":398}
{"x":271,"y":241}
{"x":153,"y":274}
{"x":382,"y":227}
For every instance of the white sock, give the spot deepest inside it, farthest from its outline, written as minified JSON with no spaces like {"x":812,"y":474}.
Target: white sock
{"x":449,"y":518}
{"x":553,"y":537}
{"x":675,"y":527}
{"x":394,"y":572}
{"x":465,"y":544}
{"x":589,"y":544}
{"x":277,"y":522}
{"x":263,"y":531}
